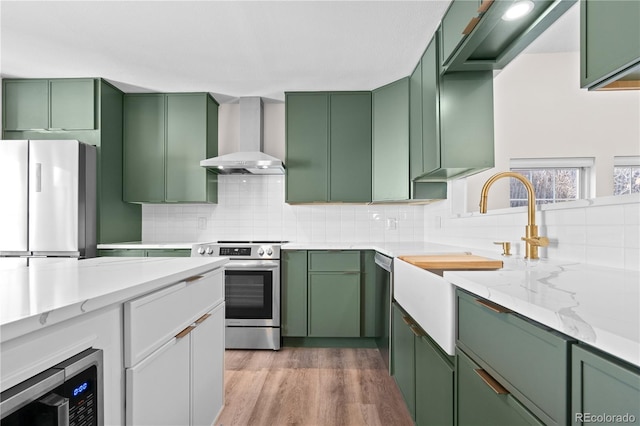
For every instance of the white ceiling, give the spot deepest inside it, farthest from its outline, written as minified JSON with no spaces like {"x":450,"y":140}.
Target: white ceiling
{"x":228,"y":48}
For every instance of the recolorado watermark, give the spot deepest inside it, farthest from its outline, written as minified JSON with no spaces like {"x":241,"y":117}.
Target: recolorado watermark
{"x":605,"y":418}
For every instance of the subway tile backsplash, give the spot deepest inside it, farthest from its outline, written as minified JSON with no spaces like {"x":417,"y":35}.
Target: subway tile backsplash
{"x":253,"y":208}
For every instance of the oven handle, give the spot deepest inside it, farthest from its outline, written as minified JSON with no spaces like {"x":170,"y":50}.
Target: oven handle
{"x":251,"y":265}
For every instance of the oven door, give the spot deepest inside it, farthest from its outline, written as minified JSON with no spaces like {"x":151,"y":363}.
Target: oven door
{"x":252,"y":293}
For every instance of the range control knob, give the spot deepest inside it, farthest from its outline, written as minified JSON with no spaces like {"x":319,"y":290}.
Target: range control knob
{"x":269,"y":251}
{"x":209,"y":250}
{"x":200,"y":250}
{"x":261,"y":251}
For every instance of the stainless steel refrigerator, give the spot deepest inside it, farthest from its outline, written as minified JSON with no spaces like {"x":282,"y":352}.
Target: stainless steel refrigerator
{"x":48,"y":197}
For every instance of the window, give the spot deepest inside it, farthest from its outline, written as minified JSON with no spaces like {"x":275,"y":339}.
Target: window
{"x":554,"y":180}
{"x":626,"y":175}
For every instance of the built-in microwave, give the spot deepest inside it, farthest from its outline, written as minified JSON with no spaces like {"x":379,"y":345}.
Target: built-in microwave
{"x":68,"y":394}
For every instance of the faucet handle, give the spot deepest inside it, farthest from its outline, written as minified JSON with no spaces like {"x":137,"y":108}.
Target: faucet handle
{"x":506,"y":247}
{"x":537,"y":241}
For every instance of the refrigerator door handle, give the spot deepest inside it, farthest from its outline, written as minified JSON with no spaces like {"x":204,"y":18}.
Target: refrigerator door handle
{"x":38,"y":177}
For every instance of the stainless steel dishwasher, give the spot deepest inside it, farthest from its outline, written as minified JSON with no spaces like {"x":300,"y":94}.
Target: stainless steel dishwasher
{"x":384,"y":284}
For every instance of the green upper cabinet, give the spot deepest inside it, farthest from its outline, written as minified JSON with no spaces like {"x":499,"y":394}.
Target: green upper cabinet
{"x":165,"y":138}
{"x":328,"y":138}
{"x":475,"y":37}
{"x":58,"y":104}
{"x":391,"y":141}
{"x":603,"y":385}
{"x":610,"y":44}
{"x":457,"y":121}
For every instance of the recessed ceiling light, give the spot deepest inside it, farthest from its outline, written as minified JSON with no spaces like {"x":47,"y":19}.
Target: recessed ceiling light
{"x":518,"y":10}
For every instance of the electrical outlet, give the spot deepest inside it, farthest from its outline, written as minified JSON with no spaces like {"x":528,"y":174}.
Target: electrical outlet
{"x":392,"y":223}
{"x":202,"y":223}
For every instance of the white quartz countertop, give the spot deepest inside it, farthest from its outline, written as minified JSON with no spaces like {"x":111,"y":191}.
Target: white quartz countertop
{"x":35,"y":296}
{"x":596,"y":305}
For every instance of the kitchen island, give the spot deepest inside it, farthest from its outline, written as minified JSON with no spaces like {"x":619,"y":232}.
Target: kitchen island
{"x":51,"y":312}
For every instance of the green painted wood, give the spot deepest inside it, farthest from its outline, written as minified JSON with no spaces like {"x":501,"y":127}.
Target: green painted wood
{"x":454,"y":22}
{"x":121,"y":253}
{"x":528,"y":359}
{"x":25,"y":104}
{"x":307,"y":147}
{"x":350,"y":147}
{"x":294,"y":293}
{"x":430,"y":108}
{"x":403,"y":358}
{"x":117,"y":220}
{"x":415,"y":123}
{"x":477,"y":404}
{"x":72,"y":104}
{"x":435,"y":384}
{"x":212,"y":148}
{"x":390,"y":141}
{"x":334,"y":261}
{"x":144,"y":147}
{"x":167,"y":253}
{"x":334,"y":304}
{"x":609,"y":39}
{"x":603,"y":385}
{"x":371,"y":297}
{"x":186,"y":147}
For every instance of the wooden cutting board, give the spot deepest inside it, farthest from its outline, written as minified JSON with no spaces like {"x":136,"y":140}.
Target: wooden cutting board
{"x":452,"y":262}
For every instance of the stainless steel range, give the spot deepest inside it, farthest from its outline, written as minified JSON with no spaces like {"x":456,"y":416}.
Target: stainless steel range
{"x":252,"y":291}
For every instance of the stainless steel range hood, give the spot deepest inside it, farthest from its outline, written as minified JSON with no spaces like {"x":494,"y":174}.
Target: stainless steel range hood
{"x":250,"y":158}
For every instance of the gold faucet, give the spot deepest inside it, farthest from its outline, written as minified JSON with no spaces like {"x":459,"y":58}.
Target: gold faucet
{"x":532,"y":239}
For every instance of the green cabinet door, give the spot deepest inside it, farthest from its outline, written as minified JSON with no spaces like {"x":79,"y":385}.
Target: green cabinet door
{"x":430,"y":108}
{"x":144,"y":148}
{"x":350,"y":147}
{"x":334,"y":304}
{"x":121,"y":253}
{"x":294,"y":293}
{"x":602,"y":385}
{"x":403,"y":366}
{"x":391,"y":141}
{"x":435,"y":381}
{"x":415,"y":123}
{"x":481,"y":401}
{"x":186,"y":147}
{"x":72,"y":104}
{"x":25,"y":104}
{"x":609,"y":41}
{"x":307,"y":145}
{"x":453,"y":24}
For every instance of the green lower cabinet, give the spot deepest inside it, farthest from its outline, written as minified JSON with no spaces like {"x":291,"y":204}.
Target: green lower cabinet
{"x":144,"y":253}
{"x":435,"y":384}
{"x":480,"y":400}
{"x":334,"y":304}
{"x":602,"y":386}
{"x":294,"y":293}
{"x":403,"y":358}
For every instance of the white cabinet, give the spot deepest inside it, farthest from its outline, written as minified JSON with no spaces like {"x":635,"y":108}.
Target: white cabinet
{"x":174,"y":354}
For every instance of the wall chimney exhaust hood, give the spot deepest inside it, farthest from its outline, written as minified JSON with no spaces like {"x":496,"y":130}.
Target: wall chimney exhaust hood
{"x":250,"y":158}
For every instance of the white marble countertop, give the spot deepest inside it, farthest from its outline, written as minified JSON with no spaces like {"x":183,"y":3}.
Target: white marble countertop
{"x":36,"y":296}
{"x":146,"y":245}
{"x":596,"y":305}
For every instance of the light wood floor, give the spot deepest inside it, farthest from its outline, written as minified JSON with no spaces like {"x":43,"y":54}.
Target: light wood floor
{"x":310,"y":386}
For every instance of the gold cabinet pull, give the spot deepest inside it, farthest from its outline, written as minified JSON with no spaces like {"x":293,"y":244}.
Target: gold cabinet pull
{"x":202,"y":318}
{"x":484,"y":6}
{"x":493,"y":307}
{"x":185,"y":332}
{"x":416,"y":330}
{"x":194,"y":278}
{"x":491,"y":382}
{"x":471,"y":25}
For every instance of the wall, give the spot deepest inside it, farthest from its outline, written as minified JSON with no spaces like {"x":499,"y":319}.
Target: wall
{"x":253,"y":208}
{"x":540,"y":111}
{"x":603,"y":232}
